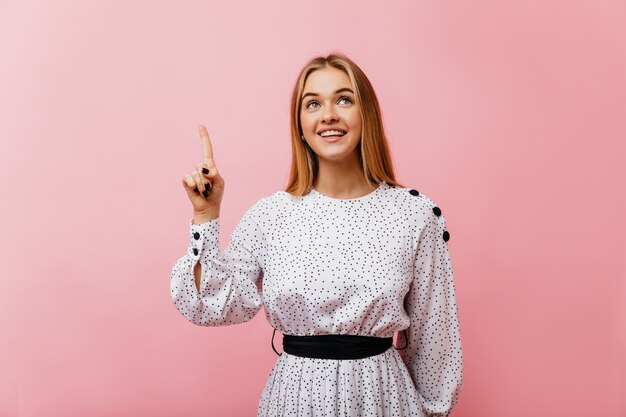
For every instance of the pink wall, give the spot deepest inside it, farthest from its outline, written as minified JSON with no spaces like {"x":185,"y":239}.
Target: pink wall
{"x":509,"y":114}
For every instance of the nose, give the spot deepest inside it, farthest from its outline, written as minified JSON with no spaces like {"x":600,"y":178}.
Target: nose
{"x":329,"y":114}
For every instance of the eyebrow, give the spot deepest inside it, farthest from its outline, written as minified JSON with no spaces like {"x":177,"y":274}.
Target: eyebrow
{"x":341,"y":90}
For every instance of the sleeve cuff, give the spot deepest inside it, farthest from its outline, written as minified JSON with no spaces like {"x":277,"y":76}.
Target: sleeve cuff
{"x":201,"y":236}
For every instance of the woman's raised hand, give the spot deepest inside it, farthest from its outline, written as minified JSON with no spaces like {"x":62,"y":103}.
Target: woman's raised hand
{"x":204,"y":184}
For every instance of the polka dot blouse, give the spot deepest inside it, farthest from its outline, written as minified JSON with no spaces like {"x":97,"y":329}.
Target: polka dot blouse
{"x":373,"y":265}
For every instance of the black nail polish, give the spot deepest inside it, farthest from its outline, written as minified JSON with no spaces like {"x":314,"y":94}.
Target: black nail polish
{"x":196,"y":190}
{"x":205,"y":171}
{"x":207,"y":186}
{"x":205,"y":193}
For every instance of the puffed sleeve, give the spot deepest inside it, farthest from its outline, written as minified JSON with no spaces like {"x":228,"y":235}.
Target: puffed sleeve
{"x":433,"y":354}
{"x":230,"y":288}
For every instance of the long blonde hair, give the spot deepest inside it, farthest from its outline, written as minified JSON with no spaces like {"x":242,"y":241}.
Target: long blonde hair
{"x":373,"y":149}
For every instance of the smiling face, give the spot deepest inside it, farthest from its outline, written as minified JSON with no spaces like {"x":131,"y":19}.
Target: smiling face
{"x":328,"y":105}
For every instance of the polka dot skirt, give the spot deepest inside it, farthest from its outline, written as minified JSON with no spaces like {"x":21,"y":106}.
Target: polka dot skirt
{"x":373,"y":266}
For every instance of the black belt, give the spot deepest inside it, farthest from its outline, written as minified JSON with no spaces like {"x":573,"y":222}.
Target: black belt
{"x":334,"y":346}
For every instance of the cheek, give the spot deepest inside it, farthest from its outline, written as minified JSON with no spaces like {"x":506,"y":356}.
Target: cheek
{"x":305,"y":122}
{"x":355,"y":122}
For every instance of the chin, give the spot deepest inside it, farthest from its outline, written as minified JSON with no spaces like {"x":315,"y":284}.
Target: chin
{"x":336,"y":157}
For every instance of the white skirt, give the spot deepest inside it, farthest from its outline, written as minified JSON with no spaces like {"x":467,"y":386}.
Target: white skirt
{"x":378,"y":385}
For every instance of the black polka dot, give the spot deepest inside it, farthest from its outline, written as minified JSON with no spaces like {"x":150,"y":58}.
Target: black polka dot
{"x":374,"y":265}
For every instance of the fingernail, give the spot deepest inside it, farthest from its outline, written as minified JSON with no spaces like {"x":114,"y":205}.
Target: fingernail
{"x":205,"y":193}
{"x":207,"y":186}
{"x":196,"y":189}
{"x":205,"y":171}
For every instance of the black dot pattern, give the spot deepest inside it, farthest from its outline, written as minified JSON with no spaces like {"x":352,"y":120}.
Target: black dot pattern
{"x":373,"y":265}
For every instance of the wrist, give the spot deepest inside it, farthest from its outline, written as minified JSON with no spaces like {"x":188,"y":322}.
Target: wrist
{"x":205,"y":216}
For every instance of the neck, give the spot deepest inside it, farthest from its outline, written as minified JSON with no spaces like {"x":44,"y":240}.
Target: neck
{"x":341,"y":179}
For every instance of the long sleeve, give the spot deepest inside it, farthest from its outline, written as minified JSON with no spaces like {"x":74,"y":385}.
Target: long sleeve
{"x":433,"y":355}
{"x":230,"y":289}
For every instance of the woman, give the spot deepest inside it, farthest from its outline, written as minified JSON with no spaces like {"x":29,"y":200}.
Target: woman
{"x":341,"y":260}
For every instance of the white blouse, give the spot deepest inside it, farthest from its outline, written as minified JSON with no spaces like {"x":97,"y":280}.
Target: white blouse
{"x":372,"y":266}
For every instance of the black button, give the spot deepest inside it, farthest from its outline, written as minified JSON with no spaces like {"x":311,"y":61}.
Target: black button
{"x":414,"y":192}
{"x":195,"y":251}
{"x":437,"y":211}
{"x":446,"y":235}
{"x":196,"y":235}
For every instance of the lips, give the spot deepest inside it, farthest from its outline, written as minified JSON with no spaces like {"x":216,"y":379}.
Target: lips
{"x":332,"y":139}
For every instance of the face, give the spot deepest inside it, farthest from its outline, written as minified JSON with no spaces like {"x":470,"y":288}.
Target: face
{"x":328,"y":104}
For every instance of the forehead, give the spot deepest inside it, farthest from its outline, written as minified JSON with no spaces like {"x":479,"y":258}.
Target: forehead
{"x":326,"y":80}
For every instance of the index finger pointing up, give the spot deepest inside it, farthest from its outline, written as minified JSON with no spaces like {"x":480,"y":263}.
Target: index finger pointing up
{"x":206,"y":143}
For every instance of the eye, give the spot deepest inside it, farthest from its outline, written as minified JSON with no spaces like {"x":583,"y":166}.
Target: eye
{"x":346,"y":98}
{"x":311,"y":102}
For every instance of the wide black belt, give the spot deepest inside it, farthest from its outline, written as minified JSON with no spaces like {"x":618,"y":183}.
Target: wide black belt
{"x":335,"y":346}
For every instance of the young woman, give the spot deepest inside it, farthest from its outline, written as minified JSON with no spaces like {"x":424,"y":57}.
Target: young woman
{"x":340,"y":260}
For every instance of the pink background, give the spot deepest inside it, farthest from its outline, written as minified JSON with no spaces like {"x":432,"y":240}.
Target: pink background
{"x":510,"y":115}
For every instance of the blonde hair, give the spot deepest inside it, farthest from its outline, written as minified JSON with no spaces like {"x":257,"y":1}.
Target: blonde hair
{"x":373,"y":149}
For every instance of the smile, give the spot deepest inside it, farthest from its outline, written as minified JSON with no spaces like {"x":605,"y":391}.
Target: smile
{"x":332,"y":135}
